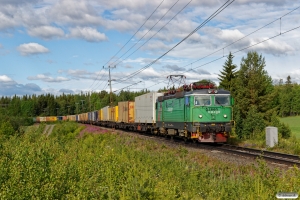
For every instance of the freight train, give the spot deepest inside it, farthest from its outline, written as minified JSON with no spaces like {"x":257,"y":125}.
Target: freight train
{"x":198,"y":112}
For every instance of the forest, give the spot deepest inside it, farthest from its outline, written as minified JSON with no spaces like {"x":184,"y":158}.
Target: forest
{"x":259,"y":100}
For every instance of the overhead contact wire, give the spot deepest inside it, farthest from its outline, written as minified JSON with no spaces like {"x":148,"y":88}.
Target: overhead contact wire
{"x":200,"y":26}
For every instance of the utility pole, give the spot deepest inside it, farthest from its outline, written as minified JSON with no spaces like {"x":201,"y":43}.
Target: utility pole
{"x":110,"y":80}
{"x":90,"y":100}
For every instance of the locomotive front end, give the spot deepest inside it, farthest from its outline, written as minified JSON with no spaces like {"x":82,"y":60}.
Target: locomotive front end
{"x":211,"y":115}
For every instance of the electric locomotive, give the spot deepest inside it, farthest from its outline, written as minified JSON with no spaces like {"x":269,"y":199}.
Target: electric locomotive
{"x":199,"y":112}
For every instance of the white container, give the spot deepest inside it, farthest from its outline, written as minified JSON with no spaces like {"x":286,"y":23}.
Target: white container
{"x":271,"y":136}
{"x":43,"y":119}
{"x":145,"y":108}
{"x":106,"y":113}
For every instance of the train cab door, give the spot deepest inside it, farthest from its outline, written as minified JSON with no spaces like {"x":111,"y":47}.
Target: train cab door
{"x":187,"y":108}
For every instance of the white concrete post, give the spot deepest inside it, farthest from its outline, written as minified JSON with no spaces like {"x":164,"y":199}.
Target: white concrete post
{"x":271,"y":136}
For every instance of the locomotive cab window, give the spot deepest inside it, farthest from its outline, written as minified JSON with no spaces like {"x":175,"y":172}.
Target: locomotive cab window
{"x":222,"y":100}
{"x":202,"y":100}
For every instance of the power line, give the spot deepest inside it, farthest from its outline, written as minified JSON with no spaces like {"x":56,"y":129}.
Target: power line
{"x":282,"y":33}
{"x":237,"y":41}
{"x":135,"y":32}
{"x":242,"y":37}
{"x":130,"y":38}
{"x":249,"y":46}
{"x":97,"y":78}
{"x":156,"y":32}
{"x":147,"y":32}
{"x":225,"y":5}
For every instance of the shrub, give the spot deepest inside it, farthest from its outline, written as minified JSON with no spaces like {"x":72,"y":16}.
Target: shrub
{"x":6,"y":129}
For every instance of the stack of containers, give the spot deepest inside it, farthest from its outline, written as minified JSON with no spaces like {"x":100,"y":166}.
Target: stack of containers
{"x":145,"y":108}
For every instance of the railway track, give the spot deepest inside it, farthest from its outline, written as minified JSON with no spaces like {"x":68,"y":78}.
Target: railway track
{"x":281,"y":158}
{"x":270,"y":156}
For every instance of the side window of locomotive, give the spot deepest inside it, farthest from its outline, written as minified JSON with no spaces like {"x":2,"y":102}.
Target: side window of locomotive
{"x":222,"y":100}
{"x":202,"y":100}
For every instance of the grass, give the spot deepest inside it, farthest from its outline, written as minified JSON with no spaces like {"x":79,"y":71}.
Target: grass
{"x":294,"y":124}
{"x":117,"y":166}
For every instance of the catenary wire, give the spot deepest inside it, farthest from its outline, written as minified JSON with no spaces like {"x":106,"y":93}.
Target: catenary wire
{"x":146,"y":32}
{"x":225,"y":5}
{"x":130,"y":38}
{"x":156,"y":32}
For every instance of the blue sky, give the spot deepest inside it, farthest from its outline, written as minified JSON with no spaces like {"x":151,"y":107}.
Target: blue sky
{"x":55,"y":46}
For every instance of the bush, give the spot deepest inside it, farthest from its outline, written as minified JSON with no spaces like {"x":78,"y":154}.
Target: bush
{"x":6,"y":129}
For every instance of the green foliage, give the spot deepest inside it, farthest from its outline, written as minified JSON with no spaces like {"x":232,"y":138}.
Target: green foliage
{"x":253,"y":124}
{"x":255,"y":97}
{"x":228,"y":74}
{"x":6,"y":129}
{"x":116,"y":166}
{"x":283,"y":129}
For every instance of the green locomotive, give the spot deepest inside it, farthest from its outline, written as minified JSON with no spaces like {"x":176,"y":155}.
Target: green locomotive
{"x":199,"y":112}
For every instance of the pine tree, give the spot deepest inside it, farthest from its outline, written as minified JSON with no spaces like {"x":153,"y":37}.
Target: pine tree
{"x":253,"y":94}
{"x":228,"y":74}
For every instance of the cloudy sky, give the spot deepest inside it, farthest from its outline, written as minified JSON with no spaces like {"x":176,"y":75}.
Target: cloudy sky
{"x":56,"y":46}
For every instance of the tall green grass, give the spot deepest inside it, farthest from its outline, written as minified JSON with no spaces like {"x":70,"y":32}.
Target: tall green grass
{"x":116,"y":166}
{"x":294,"y":124}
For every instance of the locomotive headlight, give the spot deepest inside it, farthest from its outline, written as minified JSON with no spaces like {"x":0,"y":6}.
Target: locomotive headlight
{"x":200,"y":116}
{"x":225,"y":116}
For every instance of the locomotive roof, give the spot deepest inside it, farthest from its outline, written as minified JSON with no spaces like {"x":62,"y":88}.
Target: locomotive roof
{"x":188,"y":93}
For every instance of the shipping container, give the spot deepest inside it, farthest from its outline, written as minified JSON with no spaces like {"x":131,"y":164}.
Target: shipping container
{"x":99,"y":115}
{"x":90,"y":116}
{"x":114,"y":114}
{"x":85,"y":117}
{"x":51,"y":119}
{"x":106,"y":113}
{"x":71,"y":117}
{"x":126,"y":111}
{"x":43,"y":119}
{"x":145,"y":107}
{"x":95,"y":116}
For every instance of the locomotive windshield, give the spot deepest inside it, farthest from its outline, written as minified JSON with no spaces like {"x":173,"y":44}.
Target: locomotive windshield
{"x":222,"y":100}
{"x":202,"y":100}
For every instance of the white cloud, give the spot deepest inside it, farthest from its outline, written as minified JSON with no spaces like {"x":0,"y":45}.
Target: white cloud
{"x":10,"y":87}
{"x":4,"y":78}
{"x":79,"y":13}
{"x":31,"y":49}
{"x":46,"y":32}
{"x":87,"y":33}
{"x":47,"y":78}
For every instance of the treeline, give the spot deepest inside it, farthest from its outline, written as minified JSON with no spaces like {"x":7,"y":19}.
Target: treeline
{"x":71,"y":104}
